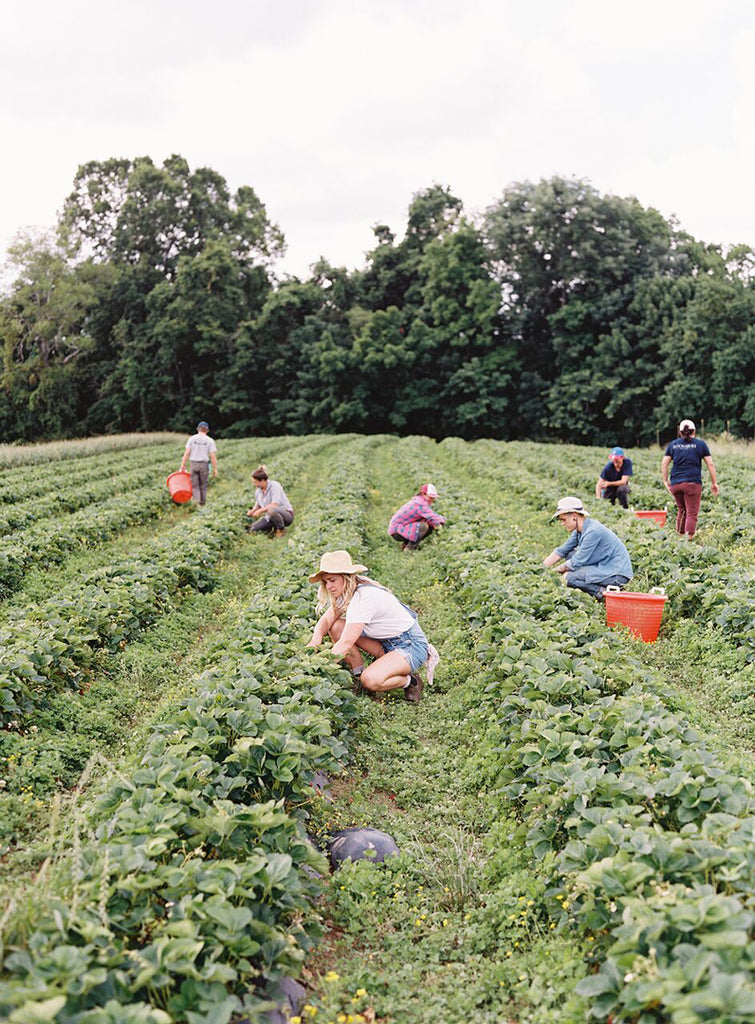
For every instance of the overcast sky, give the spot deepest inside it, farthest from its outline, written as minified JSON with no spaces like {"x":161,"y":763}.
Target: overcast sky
{"x":337,"y":112}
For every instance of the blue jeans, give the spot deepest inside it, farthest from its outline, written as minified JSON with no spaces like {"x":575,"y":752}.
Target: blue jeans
{"x":575,"y":579}
{"x":412,"y":644}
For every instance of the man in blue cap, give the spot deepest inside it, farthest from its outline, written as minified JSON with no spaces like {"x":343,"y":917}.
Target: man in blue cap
{"x":613,"y":481}
{"x":200,"y":451}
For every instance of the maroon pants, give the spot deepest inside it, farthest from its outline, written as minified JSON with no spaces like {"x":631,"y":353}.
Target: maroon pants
{"x":687,"y":498}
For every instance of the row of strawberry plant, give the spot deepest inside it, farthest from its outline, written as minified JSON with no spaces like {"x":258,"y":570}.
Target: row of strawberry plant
{"x":708,"y":582}
{"x":18,"y":517}
{"x":49,"y":543}
{"x":107,"y":481}
{"x":54,"y":644}
{"x":196,"y":892}
{"x":644,"y":834}
{"x":51,"y":747}
{"x":19,"y":485}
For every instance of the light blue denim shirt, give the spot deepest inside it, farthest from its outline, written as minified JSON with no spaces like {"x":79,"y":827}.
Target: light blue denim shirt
{"x":597,"y":551}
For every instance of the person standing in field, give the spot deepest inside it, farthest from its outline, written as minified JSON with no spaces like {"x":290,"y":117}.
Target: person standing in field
{"x":361,"y":615}
{"x":685,"y":455}
{"x":200,"y":451}
{"x":613,"y":482}
{"x":595,"y":558}
{"x":415,"y":520}
{"x":272,"y":509}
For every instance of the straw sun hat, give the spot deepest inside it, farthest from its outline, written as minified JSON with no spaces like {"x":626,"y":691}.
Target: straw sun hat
{"x":339,"y":562}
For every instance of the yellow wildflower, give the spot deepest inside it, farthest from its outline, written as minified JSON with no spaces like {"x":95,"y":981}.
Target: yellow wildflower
{"x":332,"y":976}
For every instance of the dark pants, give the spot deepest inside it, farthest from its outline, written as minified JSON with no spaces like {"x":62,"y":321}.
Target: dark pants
{"x":277,"y":520}
{"x":200,"y":474}
{"x":411,"y":545}
{"x":596,"y":590}
{"x":622,"y":493}
{"x":687,"y":497}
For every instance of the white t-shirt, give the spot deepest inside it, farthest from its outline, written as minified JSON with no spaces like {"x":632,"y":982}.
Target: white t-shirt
{"x":199,"y":447}
{"x":381,"y":612}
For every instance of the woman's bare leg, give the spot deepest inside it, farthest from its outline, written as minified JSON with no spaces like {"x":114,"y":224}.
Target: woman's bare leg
{"x":388,"y":672}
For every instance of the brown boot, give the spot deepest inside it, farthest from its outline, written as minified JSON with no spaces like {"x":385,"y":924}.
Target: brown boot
{"x":413,"y":692}
{"x":280,"y":533}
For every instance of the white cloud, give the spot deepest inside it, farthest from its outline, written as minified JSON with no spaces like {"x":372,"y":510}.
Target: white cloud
{"x":336,"y":112}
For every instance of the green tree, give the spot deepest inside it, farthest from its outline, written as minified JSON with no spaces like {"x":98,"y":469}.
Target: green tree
{"x":130,"y":211}
{"x":569,"y":262}
{"x":45,"y":328}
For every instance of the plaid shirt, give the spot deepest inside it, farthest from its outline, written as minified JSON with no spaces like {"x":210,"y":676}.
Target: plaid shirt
{"x":406,"y":521}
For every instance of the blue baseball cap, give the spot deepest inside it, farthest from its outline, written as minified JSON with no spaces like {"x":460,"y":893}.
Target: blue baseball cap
{"x":203,"y":424}
{"x":614,"y":451}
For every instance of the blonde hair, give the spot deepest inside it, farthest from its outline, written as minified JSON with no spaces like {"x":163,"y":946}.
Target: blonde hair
{"x":341,"y":603}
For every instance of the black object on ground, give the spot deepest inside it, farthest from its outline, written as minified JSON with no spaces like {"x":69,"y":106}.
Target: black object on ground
{"x":321,"y":785}
{"x":289,"y":996}
{"x":361,"y":844}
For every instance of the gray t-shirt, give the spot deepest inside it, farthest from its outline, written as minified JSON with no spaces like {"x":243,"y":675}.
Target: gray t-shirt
{"x":273,"y":495}
{"x":199,"y":447}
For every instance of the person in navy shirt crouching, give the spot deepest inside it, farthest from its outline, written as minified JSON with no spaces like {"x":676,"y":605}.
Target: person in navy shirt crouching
{"x":686,"y":455}
{"x":613,"y":481}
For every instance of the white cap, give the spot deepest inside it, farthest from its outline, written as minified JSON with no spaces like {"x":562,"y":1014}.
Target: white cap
{"x":569,"y":505}
{"x":687,"y":423}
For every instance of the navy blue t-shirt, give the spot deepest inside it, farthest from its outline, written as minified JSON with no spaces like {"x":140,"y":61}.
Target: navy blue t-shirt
{"x":611,"y":473}
{"x":687,"y":457}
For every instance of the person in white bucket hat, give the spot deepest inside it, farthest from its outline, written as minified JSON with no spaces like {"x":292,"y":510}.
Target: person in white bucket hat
{"x":361,"y":615}
{"x":593,"y":556}
{"x":416,"y":519}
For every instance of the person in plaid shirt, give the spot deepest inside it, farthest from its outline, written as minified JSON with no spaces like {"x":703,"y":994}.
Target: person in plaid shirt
{"x":415,"y":520}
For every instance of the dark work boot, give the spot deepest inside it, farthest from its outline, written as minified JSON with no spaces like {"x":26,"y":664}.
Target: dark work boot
{"x":413,"y":692}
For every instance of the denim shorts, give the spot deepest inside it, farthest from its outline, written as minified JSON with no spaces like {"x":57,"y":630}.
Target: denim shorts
{"x":412,"y":644}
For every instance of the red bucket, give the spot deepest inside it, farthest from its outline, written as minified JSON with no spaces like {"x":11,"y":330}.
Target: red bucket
{"x":656,"y":514}
{"x":179,"y":485}
{"x":642,"y":613}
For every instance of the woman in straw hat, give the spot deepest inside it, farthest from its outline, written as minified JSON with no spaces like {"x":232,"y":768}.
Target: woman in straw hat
{"x":361,"y":615}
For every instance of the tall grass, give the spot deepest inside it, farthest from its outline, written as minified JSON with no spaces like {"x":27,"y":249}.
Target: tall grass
{"x":50,"y":451}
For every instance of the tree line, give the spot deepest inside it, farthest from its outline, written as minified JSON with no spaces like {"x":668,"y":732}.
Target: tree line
{"x":558,"y":313}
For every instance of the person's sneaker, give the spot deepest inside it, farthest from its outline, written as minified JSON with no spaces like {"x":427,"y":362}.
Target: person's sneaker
{"x":280,"y":533}
{"x":413,"y":692}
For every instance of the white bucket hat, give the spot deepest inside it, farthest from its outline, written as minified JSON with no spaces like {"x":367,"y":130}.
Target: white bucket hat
{"x":570,"y":504}
{"x":337,"y":562}
{"x":687,"y":423}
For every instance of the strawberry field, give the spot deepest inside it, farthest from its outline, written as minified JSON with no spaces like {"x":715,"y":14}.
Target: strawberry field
{"x":574,"y":809}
